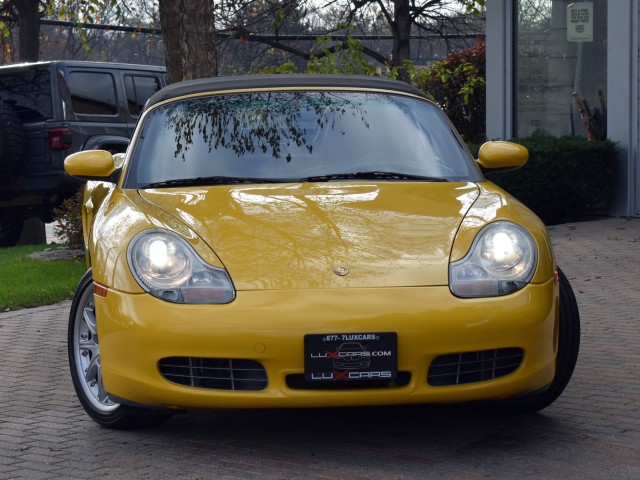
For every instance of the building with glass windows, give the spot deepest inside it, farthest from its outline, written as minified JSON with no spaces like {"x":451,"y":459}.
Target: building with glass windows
{"x":568,"y":68}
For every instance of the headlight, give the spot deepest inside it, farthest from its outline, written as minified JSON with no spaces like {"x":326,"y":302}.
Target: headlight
{"x":501,"y":260}
{"x":167,"y":267}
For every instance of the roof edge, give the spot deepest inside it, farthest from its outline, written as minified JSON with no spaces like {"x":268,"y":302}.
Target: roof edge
{"x":245,"y":82}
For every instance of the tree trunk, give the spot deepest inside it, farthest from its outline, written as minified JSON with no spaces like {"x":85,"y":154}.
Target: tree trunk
{"x":401,"y":37}
{"x":29,"y":30}
{"x":189,"y":36}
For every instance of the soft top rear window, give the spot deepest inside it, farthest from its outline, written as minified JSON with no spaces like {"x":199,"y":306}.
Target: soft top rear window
{"x":288,"y":136}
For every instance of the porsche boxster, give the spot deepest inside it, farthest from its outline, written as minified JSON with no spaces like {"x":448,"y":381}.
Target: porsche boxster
{"x":310,"y":241}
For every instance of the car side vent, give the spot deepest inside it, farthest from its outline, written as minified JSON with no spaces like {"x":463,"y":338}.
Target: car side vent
{"x":469,"y":367}
{"x":215,"y":373}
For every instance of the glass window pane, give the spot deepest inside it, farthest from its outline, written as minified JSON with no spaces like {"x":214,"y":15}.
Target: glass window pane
{"x":139,"y":90}
{"x":93,"y":93}
{"x":561,"y":67}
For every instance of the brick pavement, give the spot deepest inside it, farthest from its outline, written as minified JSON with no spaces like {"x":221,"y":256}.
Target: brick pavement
{"x":591,"y":432}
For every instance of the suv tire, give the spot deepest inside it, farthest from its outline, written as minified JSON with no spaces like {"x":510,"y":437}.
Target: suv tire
{"x":10,"y":231}
{"x":12,"y":142}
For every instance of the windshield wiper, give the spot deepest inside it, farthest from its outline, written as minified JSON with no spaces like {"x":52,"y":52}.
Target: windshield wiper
{"x":217,"y":180}
{"x":374,"y":175}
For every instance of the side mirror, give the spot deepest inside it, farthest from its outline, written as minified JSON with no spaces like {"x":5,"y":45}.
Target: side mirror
{"x":92,"y":165}
{"x":496,"y":156}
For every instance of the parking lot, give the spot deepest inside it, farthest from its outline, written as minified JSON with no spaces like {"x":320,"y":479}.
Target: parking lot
{"x":591,"y":432}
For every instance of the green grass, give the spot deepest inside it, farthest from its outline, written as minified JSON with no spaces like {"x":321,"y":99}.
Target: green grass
{"x":26,"y":282}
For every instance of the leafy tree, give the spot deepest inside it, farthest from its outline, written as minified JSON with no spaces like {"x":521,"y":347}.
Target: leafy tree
{"x":330,"y":56}
{"x":187,"y":27}
{"x":345,"y":57}
{"x":26,"y":15}
{"x":457,"y":84}
{"x":252,"y":33}
{"x":78,"y":43}
{"x":396,"y":18}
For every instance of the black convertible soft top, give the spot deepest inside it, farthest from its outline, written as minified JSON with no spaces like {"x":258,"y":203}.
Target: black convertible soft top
{"x":217,"y":84}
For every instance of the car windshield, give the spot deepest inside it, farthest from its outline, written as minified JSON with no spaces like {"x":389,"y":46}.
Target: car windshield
{"x":296,"y":136}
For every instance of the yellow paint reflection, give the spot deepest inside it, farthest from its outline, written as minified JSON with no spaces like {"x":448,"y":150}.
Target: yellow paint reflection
{"x":290,"y":236}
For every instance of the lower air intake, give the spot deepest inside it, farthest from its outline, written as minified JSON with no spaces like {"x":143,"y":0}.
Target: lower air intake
{"x":470,"y":367}
{"x":215,"y":373}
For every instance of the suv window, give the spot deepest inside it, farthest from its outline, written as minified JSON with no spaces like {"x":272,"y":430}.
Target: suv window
{"x":139,"y":89}
{"x":29,"y":92}
{"x":93,"y":93}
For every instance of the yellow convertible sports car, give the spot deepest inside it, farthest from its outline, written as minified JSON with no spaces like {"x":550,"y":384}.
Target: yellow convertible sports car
{"x":310,"y":241}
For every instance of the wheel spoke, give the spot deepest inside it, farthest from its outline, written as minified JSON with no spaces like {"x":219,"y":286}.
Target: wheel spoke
{"x":92,"y":372}
{"x":89,"y":317}
{"x":89,"y":346}
{"x":103,"y":397}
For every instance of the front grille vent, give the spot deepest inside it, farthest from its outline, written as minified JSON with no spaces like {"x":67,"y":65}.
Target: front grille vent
{"x":469,"y":367}
{"x":215,"y":373}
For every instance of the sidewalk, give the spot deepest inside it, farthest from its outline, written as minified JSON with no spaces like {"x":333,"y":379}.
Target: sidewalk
{"x":591,"y":432}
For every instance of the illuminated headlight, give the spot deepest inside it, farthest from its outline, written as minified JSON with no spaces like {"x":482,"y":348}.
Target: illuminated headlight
{"x":502,"y":260}
{"x":167,"y":267}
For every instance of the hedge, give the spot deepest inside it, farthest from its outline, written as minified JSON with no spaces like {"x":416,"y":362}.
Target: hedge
{"x":566,"y":178}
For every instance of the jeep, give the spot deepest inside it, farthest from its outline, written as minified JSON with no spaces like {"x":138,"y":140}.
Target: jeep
{"x":49,"y":110}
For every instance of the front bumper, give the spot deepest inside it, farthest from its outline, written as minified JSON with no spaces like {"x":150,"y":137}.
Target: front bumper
{"x":137,"y":331}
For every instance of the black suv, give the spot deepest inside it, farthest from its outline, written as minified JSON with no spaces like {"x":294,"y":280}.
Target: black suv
{"x":49,"y":110}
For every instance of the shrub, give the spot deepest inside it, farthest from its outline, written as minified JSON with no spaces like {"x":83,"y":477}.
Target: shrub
{"x":457,"y":85}
{"x":69,"y":221}
{"x":565,"y":179}
{"x":329,"y":56}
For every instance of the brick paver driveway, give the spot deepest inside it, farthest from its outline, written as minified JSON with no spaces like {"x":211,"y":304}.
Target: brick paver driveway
{"x":591,"y":432}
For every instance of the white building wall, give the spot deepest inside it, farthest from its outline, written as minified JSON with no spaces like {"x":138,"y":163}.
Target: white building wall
{"x":635,"y":156}
{"x":499,"y":38}
{"x":622,"y":108}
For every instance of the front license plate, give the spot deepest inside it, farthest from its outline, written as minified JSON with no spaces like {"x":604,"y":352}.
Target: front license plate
{"x":350,"y":357}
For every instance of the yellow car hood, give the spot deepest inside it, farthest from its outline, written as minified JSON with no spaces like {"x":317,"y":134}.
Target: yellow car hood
{"x":289,"y":236}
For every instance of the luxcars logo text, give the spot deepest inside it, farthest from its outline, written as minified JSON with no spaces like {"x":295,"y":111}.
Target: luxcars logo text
{"x":350,"y":354}
{"x":350,"y":375}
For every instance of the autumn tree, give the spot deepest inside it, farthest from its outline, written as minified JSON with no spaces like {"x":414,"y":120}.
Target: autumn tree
{"x":399,"y":19}
{"x":26,"y":14}
{"x":189,"y":27}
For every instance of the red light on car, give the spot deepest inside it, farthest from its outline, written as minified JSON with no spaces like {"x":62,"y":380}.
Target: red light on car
{"x":59,"y":139}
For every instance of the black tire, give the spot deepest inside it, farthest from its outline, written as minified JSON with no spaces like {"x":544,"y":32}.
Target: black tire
{"x":86,"y":373}
{"x":568,"y":347}
{"x":12,"y":143}
{"x":33,"y":232}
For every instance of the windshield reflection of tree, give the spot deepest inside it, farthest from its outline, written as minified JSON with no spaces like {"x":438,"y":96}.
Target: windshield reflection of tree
{"x":286,"y":136}
{"x":278,"y":125}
